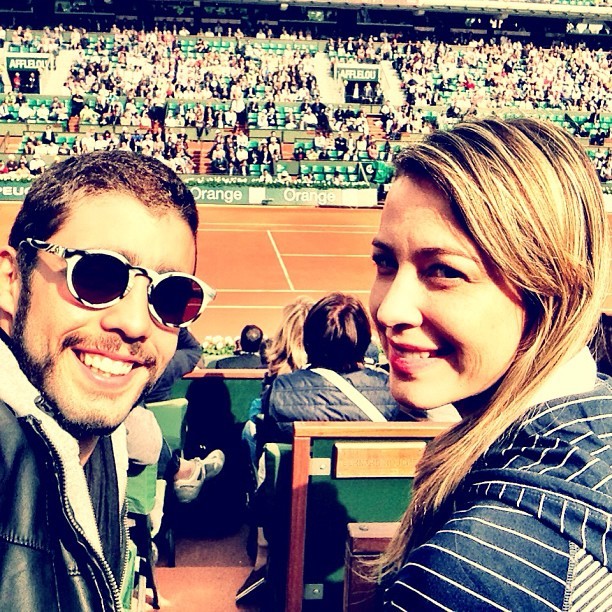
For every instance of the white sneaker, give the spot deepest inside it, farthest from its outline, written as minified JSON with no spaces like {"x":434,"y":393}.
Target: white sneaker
{"x":187,"y":489}
{"x":213,"y":463}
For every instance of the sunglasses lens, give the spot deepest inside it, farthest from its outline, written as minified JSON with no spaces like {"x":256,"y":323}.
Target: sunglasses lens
{"x":98,"y":278}
{"x":177,"y":299}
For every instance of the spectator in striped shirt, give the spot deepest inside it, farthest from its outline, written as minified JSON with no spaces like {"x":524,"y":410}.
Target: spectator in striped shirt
{"x":493,"y":263}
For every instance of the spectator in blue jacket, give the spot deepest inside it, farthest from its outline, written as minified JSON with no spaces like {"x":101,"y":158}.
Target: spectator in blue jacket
{"x":185,"y":359}
{"x":337,"y":334}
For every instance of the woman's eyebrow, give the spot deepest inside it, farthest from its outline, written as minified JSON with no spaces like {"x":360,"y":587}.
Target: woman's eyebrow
{"x":380,"y":245}
{"x":438,"y":251}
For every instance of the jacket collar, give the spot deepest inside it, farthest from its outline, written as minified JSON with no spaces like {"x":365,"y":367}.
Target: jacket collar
{"x":24,"y":400}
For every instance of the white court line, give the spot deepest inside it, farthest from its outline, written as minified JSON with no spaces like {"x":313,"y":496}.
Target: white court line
{"x":285,"y":231}
{"x":280,"y":261}
{"x":223,"y":290}
{"x":244,"y":306}
{"x":252,"y":307}
{"x":275,"y":225}
{"x":326,"y":255}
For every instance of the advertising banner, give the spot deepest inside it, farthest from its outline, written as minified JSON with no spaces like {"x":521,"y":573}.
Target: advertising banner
{"x":16,"y":62}
{"x":354,"y":71}
{"x":320,"y":197}
{"x":227,"y":194}
{"x":13,"y":190}
{"x":244,"y":194}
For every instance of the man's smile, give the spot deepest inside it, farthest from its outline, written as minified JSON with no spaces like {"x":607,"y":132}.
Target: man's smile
{"x":105,"y":366}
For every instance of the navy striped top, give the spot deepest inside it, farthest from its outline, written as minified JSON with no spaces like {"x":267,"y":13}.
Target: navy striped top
{"x":531,"y":526}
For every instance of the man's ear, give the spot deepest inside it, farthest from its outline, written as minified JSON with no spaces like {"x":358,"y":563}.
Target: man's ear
{"x":10,"y":286}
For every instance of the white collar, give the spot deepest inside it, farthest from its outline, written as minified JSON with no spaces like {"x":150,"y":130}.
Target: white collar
{"x":572,"y":377}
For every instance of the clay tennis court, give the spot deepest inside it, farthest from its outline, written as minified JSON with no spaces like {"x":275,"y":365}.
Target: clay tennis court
{"x":260,"y":258}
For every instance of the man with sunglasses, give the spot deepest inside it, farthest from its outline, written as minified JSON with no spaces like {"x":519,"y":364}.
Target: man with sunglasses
{"x":95,"y":283}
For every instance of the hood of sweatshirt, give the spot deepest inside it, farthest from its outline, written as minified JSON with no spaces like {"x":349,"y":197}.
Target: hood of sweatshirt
{"x":23,"y":399}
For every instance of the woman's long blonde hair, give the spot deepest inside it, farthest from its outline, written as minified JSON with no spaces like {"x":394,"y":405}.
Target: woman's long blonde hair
{"x":286,"y":352}
{"x":530,"y":199}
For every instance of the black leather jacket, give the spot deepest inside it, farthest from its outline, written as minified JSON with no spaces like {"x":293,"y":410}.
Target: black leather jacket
{"x":50,"y":553}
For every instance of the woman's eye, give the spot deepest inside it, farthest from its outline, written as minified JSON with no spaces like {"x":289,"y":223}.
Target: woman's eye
{"x":384,"y":263}
{"x":443,"y":271}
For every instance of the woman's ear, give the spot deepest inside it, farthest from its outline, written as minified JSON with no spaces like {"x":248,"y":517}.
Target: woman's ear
{"x":10,"y":287}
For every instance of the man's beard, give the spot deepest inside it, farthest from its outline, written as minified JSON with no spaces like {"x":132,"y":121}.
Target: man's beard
{"x":35,"y":372}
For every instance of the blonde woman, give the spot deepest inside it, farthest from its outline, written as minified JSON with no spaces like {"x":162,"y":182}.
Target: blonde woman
{"x":286,"y":351}
{"x":284,"y":354}
{"x":492,"y":265}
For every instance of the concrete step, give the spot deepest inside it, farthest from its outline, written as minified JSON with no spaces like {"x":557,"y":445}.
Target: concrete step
{"x":73,"y":124}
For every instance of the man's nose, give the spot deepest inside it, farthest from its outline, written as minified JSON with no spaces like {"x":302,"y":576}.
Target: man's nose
{"x":130,"y":316}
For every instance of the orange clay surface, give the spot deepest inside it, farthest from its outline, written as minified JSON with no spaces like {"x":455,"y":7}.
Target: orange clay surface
{"x":260,"y":258}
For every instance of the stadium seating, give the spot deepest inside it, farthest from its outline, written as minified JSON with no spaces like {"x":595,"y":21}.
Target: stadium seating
{"x":170,"y":415}
{"x":237,"y":388}
{"x":340,"y":472}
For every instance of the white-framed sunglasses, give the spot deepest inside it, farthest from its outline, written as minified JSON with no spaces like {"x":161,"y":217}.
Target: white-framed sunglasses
{"x":99,"y":278}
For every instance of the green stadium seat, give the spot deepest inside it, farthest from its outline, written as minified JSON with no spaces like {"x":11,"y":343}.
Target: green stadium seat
{"x":170,"y":415}
{"x":333,"y":484}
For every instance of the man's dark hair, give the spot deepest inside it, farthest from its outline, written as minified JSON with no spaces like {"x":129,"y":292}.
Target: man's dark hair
{"x":337,"y":333}
{"x":47,"y":204}
{"x":251,"y":338}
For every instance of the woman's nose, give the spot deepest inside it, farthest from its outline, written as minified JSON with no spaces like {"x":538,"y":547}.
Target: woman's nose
{"x":397,"y":301}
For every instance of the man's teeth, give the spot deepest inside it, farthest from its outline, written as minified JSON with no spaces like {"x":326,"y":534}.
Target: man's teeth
{"x":105,"y":365}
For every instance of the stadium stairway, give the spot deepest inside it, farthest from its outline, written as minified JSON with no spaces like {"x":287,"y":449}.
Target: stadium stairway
{"x":391,"y":84}
{"x":287,"y":150}
{"x":376,"y":131}
{"x":52,"y":81}
{"x":329,"y":88}
{"x":201,"y":163}
{"x":12,"y":144}
{"x":73,"y":124}
{"x":4,"y":77}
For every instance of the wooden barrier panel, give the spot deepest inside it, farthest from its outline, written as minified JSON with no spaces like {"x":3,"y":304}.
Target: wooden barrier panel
{"x":377,"y":459}
{"x":365,"y":542}
{"x":344,"y":472}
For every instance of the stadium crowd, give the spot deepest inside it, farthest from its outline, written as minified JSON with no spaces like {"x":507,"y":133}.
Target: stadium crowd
{"x":144,"y":81}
